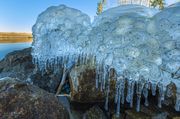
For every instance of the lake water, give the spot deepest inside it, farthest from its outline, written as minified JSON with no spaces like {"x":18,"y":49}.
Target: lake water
{"x":9,"y":47}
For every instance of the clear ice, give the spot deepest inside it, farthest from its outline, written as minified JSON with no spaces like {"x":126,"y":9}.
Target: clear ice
{"x":141,"y":44}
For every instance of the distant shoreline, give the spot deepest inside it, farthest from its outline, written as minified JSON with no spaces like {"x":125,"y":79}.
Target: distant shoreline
{"x":13,"y":37}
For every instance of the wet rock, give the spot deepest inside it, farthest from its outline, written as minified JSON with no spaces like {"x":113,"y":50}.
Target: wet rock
{"x":77,"y":114}
{"x":146,"y":113}
{"x":94,"y":113}
{"x":19,"y":100}
{"x":83,"y":85}
{"x":48,"y":81}
{"x":151,"y":112}
{"x":176,"y":118}
{"x":170,"y":97}
{"x":132,"y":114}
{"x":17,"y":64}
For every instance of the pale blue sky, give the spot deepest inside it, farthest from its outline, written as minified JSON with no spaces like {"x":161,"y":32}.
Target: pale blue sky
{"x":20,"y":15}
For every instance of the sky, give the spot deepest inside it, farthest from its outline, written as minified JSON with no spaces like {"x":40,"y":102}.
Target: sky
{"x":20,"y":15}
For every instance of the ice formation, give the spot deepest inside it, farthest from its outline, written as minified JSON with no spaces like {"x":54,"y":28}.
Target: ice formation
{"x":140,"y":44}
{"x":167,"y":25}
{"x":63,"y":32}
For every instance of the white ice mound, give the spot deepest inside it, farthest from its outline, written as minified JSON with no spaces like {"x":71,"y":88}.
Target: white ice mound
{"x":115,"y":13}
{"x":120,"y":40}
{"x":59,"y":31}
{"x":120,"y":35}
{"x":140,"y":44}
{"x":166,"y":25}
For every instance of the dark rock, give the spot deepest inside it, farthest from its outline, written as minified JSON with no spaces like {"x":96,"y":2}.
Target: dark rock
{"x":170,"y":97}
{"x":48,"y":81}
{"x":132,"y":114}
{"x":94,"y":113}
{"x":19,"y":100}
{"x":146,"y":113}
{"x":83,"y":85}
{"x":17,"y":64}
{"x":151,"y":112}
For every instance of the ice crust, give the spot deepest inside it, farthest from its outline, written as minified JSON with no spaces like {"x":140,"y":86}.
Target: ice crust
{"x":141,"y":44}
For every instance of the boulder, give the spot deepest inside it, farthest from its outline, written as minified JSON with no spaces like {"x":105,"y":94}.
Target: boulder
{"x":17,"y":64}
{"x":94,"y":113}
{"x":83,"y":85}
{"x":19,"y":100}
{"x":151,"y":112}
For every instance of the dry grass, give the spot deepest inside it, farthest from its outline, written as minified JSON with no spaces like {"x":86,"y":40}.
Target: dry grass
{"x":11,"y":37}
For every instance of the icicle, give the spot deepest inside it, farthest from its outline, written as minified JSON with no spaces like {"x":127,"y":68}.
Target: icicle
{"x":107,"y":92}
{"x":97,"y":75}
{"x":145,"y":93}
{"x":34,"y":61}
{"x":177,"y":105}
{"x":128,"y":91}
{"x":94,"y":60}
{"x":116,"y":92}
{"x":132,"y":93}
{"x":57,"y":61}
{"x":118,"y":103}
{"x":139,"y":88}
{"x":61,"y":63}
{"x":88,"y":58}
{"x":153,"y":88}
{"x":119,"y":87}
{"x":106,"y":70}
{"x":101,"y":86}
{"x":84,"y":58}
{"x":122,"y":89}
{"x":81,"y":58}
{"x":78,"y":58}
{"x":101,"y":76}
{"x":160,"y":87}
{"x":118,"y":83}
{"x":138,"y":103}
{"x":107,"y":96}
{"x":76,"y":79}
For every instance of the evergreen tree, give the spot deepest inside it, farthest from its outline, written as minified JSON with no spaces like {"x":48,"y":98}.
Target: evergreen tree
{"x":158,"y":3}
{"x":99,"y":8}
{"x":101,"y":4}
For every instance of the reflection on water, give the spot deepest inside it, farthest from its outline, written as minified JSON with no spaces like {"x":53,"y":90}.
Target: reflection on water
{"x":9,"y":47}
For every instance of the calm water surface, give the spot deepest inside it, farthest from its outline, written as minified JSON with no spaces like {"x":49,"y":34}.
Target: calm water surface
{"x":9,"y":47}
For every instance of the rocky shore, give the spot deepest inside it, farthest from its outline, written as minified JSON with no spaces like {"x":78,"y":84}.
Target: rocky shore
{"x":124,"y":65}
{"x":31,"y":95}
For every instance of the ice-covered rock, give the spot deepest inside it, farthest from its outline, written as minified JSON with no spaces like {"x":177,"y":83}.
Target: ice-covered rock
{"x":122,"y":42}
{"x":167,"y":30}
{"x":116,"y":12}
{"x":139,"y":43}
{"x":59,"y":32}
